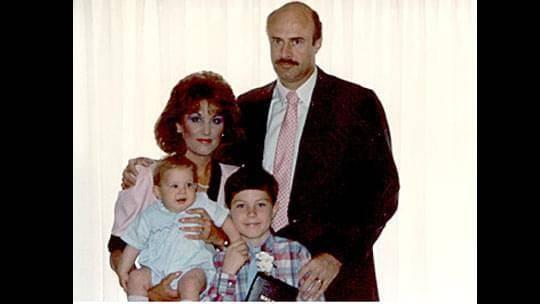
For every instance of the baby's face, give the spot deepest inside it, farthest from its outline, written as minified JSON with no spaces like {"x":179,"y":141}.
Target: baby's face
{"x":177,"y":189}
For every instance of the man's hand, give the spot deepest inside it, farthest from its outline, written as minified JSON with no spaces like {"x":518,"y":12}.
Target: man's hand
{"x":162,"y":291}
{"x":316,"y":276}
{"x":129,"y":176}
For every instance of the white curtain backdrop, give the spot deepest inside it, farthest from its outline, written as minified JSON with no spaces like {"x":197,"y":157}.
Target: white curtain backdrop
{"x":419,"y":56}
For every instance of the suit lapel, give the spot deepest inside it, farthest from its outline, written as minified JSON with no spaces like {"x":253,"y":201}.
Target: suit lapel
{"x":257,"y":123}
{"x":311,"y":148}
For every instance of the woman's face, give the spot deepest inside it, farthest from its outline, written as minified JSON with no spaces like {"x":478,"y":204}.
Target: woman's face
{"x":202,"y":130}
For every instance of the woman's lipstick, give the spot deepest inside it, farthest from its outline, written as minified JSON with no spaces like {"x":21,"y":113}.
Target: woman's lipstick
{"x":204,"y":140}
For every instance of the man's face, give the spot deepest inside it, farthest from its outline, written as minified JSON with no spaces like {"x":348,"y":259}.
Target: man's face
{"x":290,"y":32}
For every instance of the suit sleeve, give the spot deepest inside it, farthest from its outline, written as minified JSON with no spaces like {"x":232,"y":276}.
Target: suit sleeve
{"x":372,"y":185}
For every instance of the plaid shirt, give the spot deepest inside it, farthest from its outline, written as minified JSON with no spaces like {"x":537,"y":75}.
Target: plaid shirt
{"x":289,"y":257}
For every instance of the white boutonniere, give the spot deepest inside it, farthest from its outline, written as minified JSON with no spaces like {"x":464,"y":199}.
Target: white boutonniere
{"x":264,"y":262}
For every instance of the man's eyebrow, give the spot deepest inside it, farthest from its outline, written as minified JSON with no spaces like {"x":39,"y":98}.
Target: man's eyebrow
{"x":288,"y":39}
{"x":296,"y":38}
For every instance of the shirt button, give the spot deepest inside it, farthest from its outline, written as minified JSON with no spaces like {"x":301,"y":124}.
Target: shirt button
{"x":229,"y":283}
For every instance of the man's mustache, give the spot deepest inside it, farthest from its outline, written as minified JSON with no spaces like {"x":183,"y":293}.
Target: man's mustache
{"x":286,"y":61}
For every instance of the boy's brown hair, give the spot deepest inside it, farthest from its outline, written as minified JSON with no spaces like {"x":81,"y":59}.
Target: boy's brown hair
{"x":250,"y":178}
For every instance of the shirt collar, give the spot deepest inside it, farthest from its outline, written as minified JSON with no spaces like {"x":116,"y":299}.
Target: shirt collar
{"x":304,"y":92}
{"x":164,"y":209}
{"x":267,"y":246}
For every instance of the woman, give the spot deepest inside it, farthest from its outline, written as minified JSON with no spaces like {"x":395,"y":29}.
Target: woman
{"x":199,"y":118}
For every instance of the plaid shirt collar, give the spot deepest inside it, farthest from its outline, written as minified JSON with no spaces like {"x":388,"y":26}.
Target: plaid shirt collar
{"x":268,"y":245}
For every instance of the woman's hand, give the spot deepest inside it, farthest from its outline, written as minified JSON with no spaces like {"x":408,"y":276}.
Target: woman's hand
{"x":162,"y":291}
{"x":129,"y":175}
{"x":236,"y":255}
{"x":204,"y":228}
{"x":114,"y":258}
{"x":316,"y":276}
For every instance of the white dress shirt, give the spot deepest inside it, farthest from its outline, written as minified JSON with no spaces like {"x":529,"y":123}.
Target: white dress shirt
{"x":276,"y":114}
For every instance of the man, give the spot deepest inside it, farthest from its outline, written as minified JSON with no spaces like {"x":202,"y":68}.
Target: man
{"x":331,"y":154}
{"x":343,"y":182}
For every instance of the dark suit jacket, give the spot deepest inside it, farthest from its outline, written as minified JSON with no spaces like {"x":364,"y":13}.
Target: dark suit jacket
{"x":345,"y":186}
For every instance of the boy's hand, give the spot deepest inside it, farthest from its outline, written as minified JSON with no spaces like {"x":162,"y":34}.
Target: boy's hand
{"x":236,"y":255}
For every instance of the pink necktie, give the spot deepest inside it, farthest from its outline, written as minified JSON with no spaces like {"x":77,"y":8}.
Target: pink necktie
{"x":283,"y":161}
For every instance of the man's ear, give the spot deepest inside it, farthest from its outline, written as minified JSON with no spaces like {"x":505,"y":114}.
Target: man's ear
{"x":317,"y":45}
{"x":157,"y":191}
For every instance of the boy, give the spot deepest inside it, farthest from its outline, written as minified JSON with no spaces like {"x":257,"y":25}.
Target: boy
{"x":250,"y":194}
{"x":155,"y":235}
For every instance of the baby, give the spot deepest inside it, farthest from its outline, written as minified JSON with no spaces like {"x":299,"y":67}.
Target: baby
{"x":154,"y":236}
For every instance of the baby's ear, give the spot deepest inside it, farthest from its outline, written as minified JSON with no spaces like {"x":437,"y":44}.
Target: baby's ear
{"x":157,"y":191}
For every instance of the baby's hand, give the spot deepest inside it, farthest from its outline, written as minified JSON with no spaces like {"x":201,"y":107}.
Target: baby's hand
{"x":123,"y":279}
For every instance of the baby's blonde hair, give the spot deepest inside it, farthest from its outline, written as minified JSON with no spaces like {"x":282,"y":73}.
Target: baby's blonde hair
{"x":171,"y":162}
